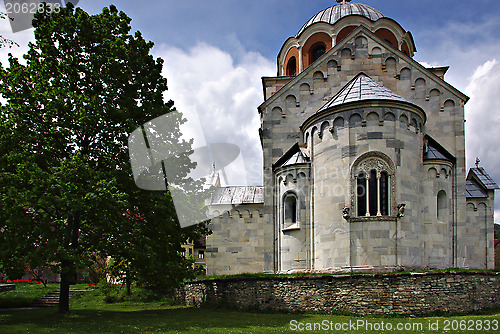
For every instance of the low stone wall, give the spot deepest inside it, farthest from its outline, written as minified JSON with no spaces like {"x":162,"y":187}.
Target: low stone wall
{"x":405,"y":293}
{"x":7,"y":287}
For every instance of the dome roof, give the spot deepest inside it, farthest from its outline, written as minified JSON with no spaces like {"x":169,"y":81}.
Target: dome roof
{"x":335,"y":13}
{"x":362,"y":88}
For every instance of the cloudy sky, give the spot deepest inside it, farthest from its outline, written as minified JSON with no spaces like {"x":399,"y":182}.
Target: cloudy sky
{"x":216,"y":52}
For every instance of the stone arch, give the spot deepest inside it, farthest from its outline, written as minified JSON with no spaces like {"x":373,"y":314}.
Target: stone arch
{"x":420,"y":88}
{"x":403,"y":120}
{"x":434,"y":93}
{"x":405,"y":74}
{"x":432,"y":173}
{"x":355,"y":120}
{"x":256,"y":213}
{"x":291,"y":101}
{"x":305,"y":88}
{"x":444,"y":172}
{"x":414,"y":124}
{"x":346,"y":53}
{"x":390,"y":65}
{"x":372,"y":117}
{"x":289,"y":178}
{"x":339,"y":122}
{"x":435,"y":99}
{"x":376,"y":52}
{"x":301,"y":175}
{"x":389,"y":116}
{"x":278,"y":112}
{"x":324,"y":126}
{"x":318,"y":75}
{"x":245,"y":214}
{"x":449,"y":106}
{"x":343,"y":33}
{"x":387,"y":35}
{"x":332,"y":63}
{"x":470,"y":207}
{"x":332,"y":66}
{"x":313,"y":132}
{"x":361,"y":42}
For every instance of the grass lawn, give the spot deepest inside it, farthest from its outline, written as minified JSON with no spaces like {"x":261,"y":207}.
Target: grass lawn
{"x":145,"y":314}
{"x":25,"y":294}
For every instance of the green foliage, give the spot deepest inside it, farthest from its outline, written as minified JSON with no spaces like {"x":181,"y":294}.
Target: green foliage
{"x":65,"y":178}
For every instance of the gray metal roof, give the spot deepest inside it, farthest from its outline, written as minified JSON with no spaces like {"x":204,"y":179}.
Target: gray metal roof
{"x":335,"y":13}
{"x":238,"y":195}
{"x":484,"y":178}
{"x":360,"y":88}
{"x":473,"y":190}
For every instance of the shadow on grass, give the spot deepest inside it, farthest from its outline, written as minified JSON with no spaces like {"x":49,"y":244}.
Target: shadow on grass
{"x":166,"y":320}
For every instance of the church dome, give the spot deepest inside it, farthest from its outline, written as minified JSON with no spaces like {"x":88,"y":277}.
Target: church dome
{"x":333,"y":14}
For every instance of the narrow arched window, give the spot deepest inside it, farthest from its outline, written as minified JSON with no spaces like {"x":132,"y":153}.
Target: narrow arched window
{"x":441,"y":205}
{"x":290,"y":209}
{"x":317,"y":50}
{"x":361,"y":194}
{"x":291,"y":67}
{"x":384,"y":194}
{"x":372,"y":193}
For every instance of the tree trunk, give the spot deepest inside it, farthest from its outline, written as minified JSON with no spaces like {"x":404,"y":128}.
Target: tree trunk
{"x":64,"y":288}
{"x":127,"y":278}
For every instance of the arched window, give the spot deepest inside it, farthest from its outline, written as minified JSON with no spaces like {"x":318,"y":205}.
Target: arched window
{"x":317,"y":50}
{"x":290,"y":210}
{"x":441,"y":205}
{"x":372,"y":187}
{"x":291,"y":67}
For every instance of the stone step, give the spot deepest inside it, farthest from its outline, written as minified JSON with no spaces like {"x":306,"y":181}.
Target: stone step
{"x":52,"y":299}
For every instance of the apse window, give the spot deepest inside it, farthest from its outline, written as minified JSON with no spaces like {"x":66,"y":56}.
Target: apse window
{"x":372,"y":193}
{"x":290,"y":209}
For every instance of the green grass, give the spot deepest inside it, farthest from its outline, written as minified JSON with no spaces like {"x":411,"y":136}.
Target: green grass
{"x":25,"y":294}
{"x":299,"y":274}
{"x":145,"y":312}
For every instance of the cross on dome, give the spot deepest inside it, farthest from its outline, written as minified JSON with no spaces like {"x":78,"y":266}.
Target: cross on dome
{"x":343,"y":1}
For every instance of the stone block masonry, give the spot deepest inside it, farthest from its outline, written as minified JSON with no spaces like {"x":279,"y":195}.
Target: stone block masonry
{"x":359,"y":294}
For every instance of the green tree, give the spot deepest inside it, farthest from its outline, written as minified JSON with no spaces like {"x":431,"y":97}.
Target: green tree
{"x":65,"y":177}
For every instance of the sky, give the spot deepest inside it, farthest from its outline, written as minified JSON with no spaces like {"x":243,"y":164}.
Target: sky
{"x":216,"y":52}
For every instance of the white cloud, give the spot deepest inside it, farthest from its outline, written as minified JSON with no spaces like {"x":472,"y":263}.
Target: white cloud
{"x":219,"y":96}
{"x":483,"y":120}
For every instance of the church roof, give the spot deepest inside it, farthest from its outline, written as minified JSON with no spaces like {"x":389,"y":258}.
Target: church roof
{"x":474,"y":190}
{"x":294,"y":155}
{"x":484,"y":178}
{"x":335,"y":13}
{"x":362,"y":88}
{"x":434,"y":151}
{"x":238,"y":195}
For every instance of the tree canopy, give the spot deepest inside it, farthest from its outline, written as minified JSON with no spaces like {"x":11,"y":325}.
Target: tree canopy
{"x":65,"y":179}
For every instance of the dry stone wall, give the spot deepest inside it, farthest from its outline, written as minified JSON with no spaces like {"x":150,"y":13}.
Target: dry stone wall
{"x":404,"y":293}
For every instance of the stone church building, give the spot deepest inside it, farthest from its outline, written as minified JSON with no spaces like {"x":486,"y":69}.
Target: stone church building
{"x":364,"y":161}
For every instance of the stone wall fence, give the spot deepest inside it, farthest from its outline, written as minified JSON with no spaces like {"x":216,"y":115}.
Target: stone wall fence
{"x":361,"y":294}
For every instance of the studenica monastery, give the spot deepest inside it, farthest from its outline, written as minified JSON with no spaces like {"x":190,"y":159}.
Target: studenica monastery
{"x":364,"y":161}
